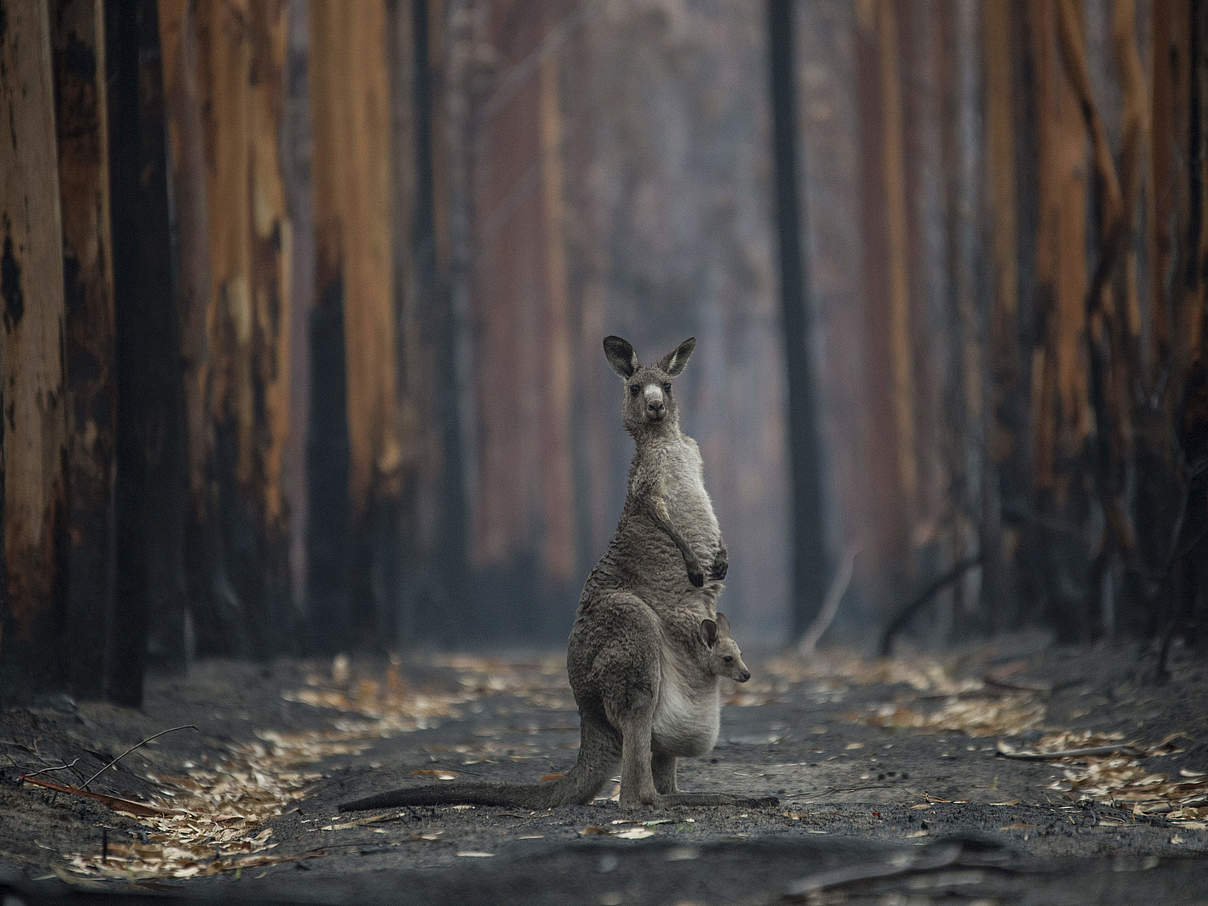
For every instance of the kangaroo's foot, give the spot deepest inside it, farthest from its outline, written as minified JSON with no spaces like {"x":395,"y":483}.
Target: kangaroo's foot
{"x":640,"y":798}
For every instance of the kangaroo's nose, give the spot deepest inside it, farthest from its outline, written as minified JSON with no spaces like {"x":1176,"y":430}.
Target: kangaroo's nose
{"x":655,"y":405}
{"x":744,"y":676}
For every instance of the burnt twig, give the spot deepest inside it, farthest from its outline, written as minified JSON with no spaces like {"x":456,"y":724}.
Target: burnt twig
{"x":903,"y":614}
{"x":1005,"y":751}
{"x":830,"y":604}
{"x":57,"y":767}
{"x":84,"y":785}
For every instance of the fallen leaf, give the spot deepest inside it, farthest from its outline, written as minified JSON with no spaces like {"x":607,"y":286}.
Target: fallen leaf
{"x":635,"y":833}
{"x":438,"y":773}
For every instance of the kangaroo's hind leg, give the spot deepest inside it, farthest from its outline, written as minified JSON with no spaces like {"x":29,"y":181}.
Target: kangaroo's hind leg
{"x":662,"y":766}
{"x":637,"y":783}
{"x":629,"y":702}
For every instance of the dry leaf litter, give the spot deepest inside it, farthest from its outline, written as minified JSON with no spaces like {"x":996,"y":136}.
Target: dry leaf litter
{"x":221,"y":811}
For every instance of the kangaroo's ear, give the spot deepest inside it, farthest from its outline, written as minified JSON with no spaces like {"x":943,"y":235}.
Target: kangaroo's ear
{"x":723,"y":624}
{"x":620,"y":355}
{"x":708,"y":633}
{"x":673,"y":362}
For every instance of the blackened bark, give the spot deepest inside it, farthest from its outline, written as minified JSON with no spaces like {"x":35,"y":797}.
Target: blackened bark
{"x":327,"y":474}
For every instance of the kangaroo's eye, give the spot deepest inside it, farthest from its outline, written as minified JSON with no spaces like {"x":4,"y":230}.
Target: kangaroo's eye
{"x":667,"y":387}
{"x":729,"y":659}
{"x":634,"y":389}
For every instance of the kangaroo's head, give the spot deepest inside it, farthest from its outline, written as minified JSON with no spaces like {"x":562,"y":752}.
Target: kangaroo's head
{"x":725,"y":658}
{"x":648,"y":404}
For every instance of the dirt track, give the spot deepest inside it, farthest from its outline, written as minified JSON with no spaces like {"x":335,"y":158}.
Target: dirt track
{"x":888,"y":774}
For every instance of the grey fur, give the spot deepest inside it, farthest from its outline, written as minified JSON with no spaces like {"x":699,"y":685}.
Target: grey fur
{"x":643,"y":673}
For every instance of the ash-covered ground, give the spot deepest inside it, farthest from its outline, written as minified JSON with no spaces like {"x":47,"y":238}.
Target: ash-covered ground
{"x":912,"y":780}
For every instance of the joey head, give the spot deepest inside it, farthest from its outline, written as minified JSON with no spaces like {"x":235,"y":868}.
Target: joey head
{"x":725,"y":657}
{"x":647,"y":648}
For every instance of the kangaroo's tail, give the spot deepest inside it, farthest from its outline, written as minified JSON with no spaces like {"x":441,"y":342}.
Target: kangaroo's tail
{"x":599,"y":754}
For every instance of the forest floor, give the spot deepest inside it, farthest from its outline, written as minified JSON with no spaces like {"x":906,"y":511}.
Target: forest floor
{"x":892,"y":779}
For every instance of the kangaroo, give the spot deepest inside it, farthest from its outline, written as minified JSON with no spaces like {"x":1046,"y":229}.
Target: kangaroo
{"x":646,"y":694}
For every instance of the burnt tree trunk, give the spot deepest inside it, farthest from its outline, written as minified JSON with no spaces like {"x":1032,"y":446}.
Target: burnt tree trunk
{"x":441,"y":502}
{"x":271,"y":236}
{"x":150,"y":484}
{"x":808,"y":548}
{"x":83,"y":143}
{"x":227,"y":77}
{"x":34,"y":550}
{"x":356,"y":427}
{"x":191,"y":259}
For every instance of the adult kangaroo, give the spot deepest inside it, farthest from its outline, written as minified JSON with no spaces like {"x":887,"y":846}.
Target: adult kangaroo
{"x":639,"y":657}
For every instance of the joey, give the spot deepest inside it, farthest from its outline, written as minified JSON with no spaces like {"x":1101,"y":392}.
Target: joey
{"x":725,"y":657}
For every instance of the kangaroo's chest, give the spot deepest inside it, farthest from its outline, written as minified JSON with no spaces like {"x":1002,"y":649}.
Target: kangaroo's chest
{"x":686,"y":719}
{"x":683,"y":487}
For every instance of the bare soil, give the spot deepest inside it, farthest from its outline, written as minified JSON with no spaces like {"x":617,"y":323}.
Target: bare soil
{"x":892,"y":787}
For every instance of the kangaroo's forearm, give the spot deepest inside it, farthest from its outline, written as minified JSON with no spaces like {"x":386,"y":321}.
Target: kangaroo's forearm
{"x":662,"y":518}
{"x":659,"y":514}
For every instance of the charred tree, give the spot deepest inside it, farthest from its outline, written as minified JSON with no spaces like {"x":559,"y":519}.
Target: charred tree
{"x":34,"y":547}
{"x":191,"y":265}
{"x":225,"y":76}
{"x":150,"y":481}
{"x":296,"y":150}
{"x":77,"y":28}
{"x":805,"y":461}
{"x":429,"y":513}
{"x":356,"y":431}
{"x":440,"y":280}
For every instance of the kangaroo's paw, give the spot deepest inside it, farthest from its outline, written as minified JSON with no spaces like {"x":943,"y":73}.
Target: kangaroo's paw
{"x":721,"y":564}
{"x":696,"y":575}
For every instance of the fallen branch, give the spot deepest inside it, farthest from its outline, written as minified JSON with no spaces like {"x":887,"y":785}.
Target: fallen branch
{"x":903,"y":614}
{"x":1006,"y":751}
{"x":830,"y":603}
{"x":131,"y":749}
{"x":117,"y":803}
